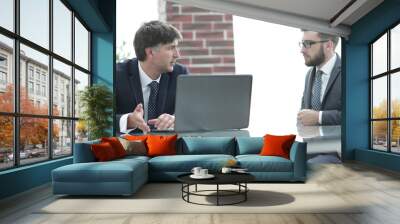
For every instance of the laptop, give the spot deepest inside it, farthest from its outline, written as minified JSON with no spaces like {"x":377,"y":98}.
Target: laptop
{"x":212,"y":102}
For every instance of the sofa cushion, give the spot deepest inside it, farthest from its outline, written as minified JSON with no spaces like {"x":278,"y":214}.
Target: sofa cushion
{"x":277,"y":145}
{"x":103,"y":152}
{"x":249,"y":145}
{"x":257,"y":163}
{"x":134,"y":147}
{"x":160,"y":145}
{"x":83,"y":152}
{"x":207,"y":145}
{"x":129,"y":158}
{"x":116,"y":145}
{"x":185,"y":163}
{"x":135,"y":137}
{"x":112,"y":171}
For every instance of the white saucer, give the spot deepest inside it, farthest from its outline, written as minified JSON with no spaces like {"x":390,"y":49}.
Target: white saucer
{"x":208,"y":176}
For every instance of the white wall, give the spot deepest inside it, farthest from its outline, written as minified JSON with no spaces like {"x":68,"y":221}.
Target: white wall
{"x":271,"y":54}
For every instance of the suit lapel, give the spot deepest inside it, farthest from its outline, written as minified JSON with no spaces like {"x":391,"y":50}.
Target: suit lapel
{"x":134,"y":81}
{"x":163,"y":92}
{"x":334,"y":74}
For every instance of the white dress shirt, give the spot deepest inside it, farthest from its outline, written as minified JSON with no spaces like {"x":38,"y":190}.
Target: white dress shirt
{"x":145,"y":80}
{"x":326,"y":74}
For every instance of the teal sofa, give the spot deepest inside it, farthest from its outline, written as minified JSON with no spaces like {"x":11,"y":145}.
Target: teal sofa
{"x":125,"y":176}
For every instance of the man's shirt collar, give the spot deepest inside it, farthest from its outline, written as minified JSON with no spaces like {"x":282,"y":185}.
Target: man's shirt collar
{"x":145,"y":80}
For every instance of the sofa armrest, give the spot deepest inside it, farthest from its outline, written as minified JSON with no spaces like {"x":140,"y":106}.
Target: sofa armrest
{"x":298,"y":155}
{"x":83,"y":152}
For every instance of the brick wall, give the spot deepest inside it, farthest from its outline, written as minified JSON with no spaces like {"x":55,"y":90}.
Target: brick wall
{"x":207,"y":45}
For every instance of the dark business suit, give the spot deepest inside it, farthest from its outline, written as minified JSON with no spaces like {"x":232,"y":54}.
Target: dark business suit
{"x":129,"y":89}
{"x":331,"y":105}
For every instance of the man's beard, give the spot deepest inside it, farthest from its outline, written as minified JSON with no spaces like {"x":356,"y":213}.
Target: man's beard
{"x":318,"y":59}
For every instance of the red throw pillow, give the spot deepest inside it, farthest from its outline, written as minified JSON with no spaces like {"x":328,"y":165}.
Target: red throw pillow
{"x":116,"y":145}
{"x":277,"y":145}
{"x":159,"y":145}
{"x":103,"y":151}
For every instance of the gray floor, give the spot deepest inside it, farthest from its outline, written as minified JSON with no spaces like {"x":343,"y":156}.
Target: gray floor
{"x":377,"y":188}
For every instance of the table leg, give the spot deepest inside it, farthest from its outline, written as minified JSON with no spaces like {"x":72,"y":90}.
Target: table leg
{"x":182,"y":190}
{"x":245,"y":191}
{"x":217,"y":194}
{"x":188,"y":192}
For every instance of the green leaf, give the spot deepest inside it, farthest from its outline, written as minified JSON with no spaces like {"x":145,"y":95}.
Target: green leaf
{"x":96,"y":102}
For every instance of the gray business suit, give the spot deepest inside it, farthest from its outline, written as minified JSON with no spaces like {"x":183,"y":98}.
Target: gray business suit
{"x":331,"y":105}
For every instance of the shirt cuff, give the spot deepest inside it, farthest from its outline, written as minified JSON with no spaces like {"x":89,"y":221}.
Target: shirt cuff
{"x":320,"y":117}
{"x":123,"y":124}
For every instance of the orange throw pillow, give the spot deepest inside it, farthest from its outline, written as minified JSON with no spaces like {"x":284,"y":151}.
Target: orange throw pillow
{"x":161,"y":145}
{"x":116,"y":145}
{"x":277,"y":145}
{"x":103,"y":151}
{"x":135,"y":137}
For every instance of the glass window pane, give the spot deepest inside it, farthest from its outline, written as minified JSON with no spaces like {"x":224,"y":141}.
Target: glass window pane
{"x":6,"y":74}
{"x":379,"y":135}
{"x":379,"y":98}
{"x":62,"y":29}
{"x":33,"y":139}
{"x":395,"y":94}
{"x":395,"y":47}
{"x":81,"y":45}
{"x":395,"y":136}
{"x":35,"y":21}
{"x":6,"y":142}
{"x":7,"y":14}
{"x":379,"y":55}
{"x":81,"y":81}
{"x":62,"y":89}
{"x":62,"y":141}
{"x":34,"y":97}
{"x":81,"y":131}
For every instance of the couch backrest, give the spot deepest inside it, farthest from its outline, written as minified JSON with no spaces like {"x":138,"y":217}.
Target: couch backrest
{"x":190,"y":146}
{"x":83,"y":152}
{"x":207,"y":145}
{"x":249,"y":145}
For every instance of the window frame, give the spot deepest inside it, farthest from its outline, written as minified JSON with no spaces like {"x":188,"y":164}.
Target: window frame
{"x":388,"y":74}
{"x":16,"y":115}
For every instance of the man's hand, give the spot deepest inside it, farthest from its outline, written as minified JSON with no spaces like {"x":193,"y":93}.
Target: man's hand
{"x":135,"y":119}
{"x":163,"y":122}
{"x":308,"y":117}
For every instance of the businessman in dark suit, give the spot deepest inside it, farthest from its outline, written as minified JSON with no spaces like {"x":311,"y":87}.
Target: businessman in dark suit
{"x":321,"y":103}
{"x":146,"y":85}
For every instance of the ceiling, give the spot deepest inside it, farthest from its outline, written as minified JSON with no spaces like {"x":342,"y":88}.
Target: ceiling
{"x":329,"y":16}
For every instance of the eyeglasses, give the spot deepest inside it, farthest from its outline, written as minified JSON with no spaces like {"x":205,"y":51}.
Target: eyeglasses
{"x":308,"y":43}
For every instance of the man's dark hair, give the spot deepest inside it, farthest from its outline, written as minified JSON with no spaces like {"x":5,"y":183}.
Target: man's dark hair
{"x":151,"y":34}
{"x":325,"y":36}
{"x":333,"y":38}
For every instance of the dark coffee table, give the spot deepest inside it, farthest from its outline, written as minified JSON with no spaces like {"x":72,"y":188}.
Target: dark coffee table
{"x":238,"y":179}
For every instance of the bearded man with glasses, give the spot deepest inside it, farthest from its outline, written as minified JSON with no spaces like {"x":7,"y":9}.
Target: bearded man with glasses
{"x":321,"y":103}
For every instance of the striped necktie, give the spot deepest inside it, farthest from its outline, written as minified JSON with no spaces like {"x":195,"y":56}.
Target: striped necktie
{"x":316,"y":91}
{"x":152,"y":106}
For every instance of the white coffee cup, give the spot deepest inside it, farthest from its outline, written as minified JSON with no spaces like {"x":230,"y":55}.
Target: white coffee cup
{"x":203,"y":172}
{"x":226,"y":170}
{"x":196,"y":171}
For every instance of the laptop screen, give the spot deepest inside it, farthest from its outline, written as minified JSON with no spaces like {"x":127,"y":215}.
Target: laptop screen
{"x":212,"y":102}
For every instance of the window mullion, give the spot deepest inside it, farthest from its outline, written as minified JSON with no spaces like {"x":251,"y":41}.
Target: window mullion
{"x":50,"y":81}
{"x":73,"y":82}
{"x":389,"y":104}
{"x":16,"y":83}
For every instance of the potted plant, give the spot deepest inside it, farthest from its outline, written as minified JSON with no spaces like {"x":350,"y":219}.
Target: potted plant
{"x":96,"y":103}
